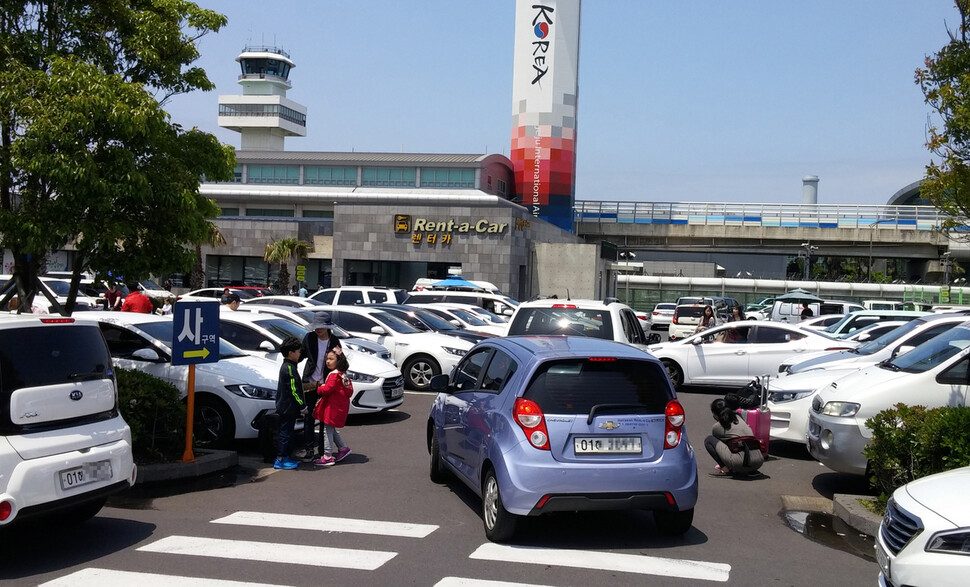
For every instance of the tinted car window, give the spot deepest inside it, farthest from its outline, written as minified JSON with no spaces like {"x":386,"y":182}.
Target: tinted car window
{"x":377,"y":297}
{"x":574,"y":386}
{"x":500,"y":370}
{"x":122,"y":342}
{"x":353,"y":322}
{"x":325,"y":296}
{"x":241,"y":336}
{"x":466,"y":375}
{"x":566,"y":321}
{"x":350,"y":298}
{"x":32,"y":357}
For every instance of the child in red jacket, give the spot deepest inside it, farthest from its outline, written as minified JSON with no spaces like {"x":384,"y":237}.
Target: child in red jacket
{"x":331,"y":410}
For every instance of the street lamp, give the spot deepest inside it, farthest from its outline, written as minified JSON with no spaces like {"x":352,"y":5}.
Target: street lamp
{"x":806,"y":252}
{"x":872,"y":228}
{"x":627,"y":256}
{"x":947,"y":263}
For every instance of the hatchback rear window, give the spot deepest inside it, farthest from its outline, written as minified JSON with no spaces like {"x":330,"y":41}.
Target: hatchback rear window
{"x":569,"y":321}
{"x":574,"y":386}
{"x":690,"y":312}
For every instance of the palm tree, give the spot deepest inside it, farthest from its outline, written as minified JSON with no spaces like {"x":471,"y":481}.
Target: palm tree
{"x":197,"y":275}
{"x":281,"y":251}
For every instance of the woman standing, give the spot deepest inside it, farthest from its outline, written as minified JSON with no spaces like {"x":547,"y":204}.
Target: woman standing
{"x":737,"y":314}
{"x":708,"y":319}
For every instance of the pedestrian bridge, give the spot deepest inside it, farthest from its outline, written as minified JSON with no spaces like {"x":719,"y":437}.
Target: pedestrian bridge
{"x":883,"y":231}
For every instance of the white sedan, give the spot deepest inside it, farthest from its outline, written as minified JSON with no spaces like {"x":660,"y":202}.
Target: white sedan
{"x":732,"y":354}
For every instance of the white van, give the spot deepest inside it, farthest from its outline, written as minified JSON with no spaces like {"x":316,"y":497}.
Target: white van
{"x":784,"y":311}
{"x":64,"y":446}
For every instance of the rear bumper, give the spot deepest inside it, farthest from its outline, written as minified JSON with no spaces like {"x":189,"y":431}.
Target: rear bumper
{"x":605,"y":501}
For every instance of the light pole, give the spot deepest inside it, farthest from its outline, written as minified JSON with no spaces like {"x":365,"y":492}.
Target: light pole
{"x":947,"y":263}
{"x":872,"y":228}
{"x":807,"y":249}
{"x":627,"y":256}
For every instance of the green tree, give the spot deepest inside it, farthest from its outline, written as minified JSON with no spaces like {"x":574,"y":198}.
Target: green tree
{"x":281,"y":251}
{"x":88,"y":156}
{"x":945,"y":82}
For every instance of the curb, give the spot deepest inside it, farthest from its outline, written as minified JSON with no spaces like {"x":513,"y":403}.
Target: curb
{"x":206,"y":461}
{"x":853,"y":513}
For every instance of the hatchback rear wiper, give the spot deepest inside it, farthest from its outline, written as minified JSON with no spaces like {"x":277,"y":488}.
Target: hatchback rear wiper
{"x":98,"y":373}
{"x":614,"y":408}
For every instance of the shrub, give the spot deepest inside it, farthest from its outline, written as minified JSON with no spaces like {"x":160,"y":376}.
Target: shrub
{"x":909,"y":442}
{"x":155,"y":413}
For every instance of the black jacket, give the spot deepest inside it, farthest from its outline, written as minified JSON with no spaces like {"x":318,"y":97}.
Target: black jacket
{"x":289,"y":390}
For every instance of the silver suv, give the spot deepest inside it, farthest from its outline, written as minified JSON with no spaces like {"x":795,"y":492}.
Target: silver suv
{"x":64,"y":446}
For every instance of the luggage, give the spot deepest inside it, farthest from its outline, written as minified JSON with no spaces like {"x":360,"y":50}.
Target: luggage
{"x":269,"y":431}
{"x":759,"y":418}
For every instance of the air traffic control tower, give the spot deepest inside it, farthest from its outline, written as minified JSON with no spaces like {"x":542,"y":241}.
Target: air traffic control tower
{"x":262,"y":114}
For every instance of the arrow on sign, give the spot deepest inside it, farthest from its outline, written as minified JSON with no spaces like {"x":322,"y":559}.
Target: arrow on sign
{"x":189,"y":354}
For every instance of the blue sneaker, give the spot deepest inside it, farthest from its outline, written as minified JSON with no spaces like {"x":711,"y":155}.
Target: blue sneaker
{"x":285,"y":463}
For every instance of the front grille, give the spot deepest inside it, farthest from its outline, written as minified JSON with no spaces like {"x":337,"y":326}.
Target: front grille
{"x":899,"y":527}
{"x":391,"y":384}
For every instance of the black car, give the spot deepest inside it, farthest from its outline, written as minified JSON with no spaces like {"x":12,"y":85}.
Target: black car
{"x":425,"y":320}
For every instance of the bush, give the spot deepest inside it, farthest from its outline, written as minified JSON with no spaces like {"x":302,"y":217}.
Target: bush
{"x":909,"y":442}
{"x":155,"y":413}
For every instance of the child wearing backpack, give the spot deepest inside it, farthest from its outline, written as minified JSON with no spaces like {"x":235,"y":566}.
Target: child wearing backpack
{"x":332,"y":409}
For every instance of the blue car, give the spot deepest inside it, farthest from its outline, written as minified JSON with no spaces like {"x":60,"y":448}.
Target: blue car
{"x":539,"y":424}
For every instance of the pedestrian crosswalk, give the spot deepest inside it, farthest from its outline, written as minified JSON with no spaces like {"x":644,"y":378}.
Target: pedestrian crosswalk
{"x":320,"y":555}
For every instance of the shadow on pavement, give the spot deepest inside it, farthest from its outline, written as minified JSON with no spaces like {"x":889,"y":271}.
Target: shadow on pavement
{"x":828,"y":484}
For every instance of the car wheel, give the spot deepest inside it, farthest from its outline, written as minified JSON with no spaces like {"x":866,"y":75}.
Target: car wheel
{"x":499,"y":523}
{"x":438,"y":473}
{"x":675,"y":373}
{"x":82,"y":513}
{"x":673,"y":523}
{"x":419,"y":370}
{"x":213,"y":425}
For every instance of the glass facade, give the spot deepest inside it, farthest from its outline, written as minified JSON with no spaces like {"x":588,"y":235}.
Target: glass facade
{"x":451,"y":177}
{"x":229,"y":212}
{"x":269,"y":212}
{"x":388,"y":176}
{"x":317,"y":175}
{"x":318,"y":213}
{"x":279,"y":174}
{"x":274,"y":110}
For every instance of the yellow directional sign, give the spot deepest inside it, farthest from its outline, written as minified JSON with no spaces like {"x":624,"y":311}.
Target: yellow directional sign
{"x":203,"y":352}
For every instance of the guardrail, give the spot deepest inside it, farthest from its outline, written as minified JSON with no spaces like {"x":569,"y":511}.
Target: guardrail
{"x":770,"y":215}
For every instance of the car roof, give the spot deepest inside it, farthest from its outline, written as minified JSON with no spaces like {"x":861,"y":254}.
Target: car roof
{"x":587,"y":303}
{"x":545,"y":347}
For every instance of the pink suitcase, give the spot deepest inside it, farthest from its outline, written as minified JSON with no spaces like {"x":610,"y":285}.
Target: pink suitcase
{"x":759,"y":419}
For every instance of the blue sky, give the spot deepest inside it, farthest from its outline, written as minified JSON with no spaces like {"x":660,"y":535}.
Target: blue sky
{"x":698,"y":101}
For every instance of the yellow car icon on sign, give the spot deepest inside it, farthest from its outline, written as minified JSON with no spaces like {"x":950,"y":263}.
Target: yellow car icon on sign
{"x":402,"y":223}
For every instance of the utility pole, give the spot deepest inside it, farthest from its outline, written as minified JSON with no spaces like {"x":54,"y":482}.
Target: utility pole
{"x":806,"y":253}
{"x":627,"y":256}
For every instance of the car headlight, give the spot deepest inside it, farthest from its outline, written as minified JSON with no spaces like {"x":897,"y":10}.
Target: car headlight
{"x":780,"y":397}
{"x":358,"y":348}
{"x":453,"y":351}
{"x":840,"y":409}
{"x":361,"y":377}
{"x":950,"y":542}
{"x":252,"y":391}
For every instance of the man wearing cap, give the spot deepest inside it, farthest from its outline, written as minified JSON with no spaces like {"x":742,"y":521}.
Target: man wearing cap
{"x":316,"y":345}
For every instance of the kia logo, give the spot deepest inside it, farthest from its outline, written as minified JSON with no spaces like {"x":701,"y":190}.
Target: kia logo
{"x":76,"y":395}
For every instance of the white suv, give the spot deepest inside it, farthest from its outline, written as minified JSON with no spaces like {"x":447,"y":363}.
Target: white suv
{"x":421,"y":355}
{"x":608,"y":320}
{"x":63,"y":443}
{"x":355,"y":295}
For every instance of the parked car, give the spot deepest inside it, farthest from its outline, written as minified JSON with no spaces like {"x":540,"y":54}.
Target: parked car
{"x":934,"y":374}
{"x":873,"y":331}
{"x":856,"y":320}
{"x":424,"y":318}
{"x":685,"y":320}
{"x":499,"y":304}
{"x":590,"y":318}
{"x":736,"y":352}
{"x":791,"y":310}
{"x":661,"y":316}
{"x":722,"y":306}
{"x":378,"y":385}
{"x":215,"y":293}
{"x":924,"y":534}
{"x":232,"y":395}
{"x":57,"y":288}
{"x":421,"y":355}
{"x":522,"y":422}
{"x":289,"y":301}
{"x":352,"y":295}
{"x":467,"y":318}
{"x":64,"y":446}
{"x":820,"y":322}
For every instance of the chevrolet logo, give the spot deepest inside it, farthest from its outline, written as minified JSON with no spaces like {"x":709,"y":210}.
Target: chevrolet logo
{"x":609,"y":425}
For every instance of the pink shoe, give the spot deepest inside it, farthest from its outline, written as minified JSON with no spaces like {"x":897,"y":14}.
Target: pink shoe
{"x":342,"y":453}
{"x":324,"y":461}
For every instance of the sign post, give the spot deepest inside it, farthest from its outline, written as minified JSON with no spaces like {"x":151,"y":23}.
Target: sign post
{"x":195,"y":339}
{"x":301,"y":273}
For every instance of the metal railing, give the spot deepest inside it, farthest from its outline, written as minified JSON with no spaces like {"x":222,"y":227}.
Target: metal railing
{"x":777,"y":215}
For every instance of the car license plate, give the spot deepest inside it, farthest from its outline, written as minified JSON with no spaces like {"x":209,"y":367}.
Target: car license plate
{"x":397,"y":392}
{"x":85,"y":474}
{"x":882,"y":557}
{"x":607,"y":445}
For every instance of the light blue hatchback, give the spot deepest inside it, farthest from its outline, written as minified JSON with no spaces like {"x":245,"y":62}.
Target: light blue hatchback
{"x":559,"y":423}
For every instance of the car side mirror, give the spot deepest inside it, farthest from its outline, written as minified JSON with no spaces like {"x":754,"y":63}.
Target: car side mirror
{"x":379,"y":330}
{"x":508,"y":312}
{"x":697,"y":340}
{"x":439,"y":383}
{"x":146,"y":354}
{"x":653,"y":338}
{"x":268,"y":347}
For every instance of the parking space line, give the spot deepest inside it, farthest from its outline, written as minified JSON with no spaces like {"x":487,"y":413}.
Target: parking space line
{"x":112,"y":578}
{"x":299,"y":554}
{"x":325,"y":524}
{"x":605,"y":561}
{"x":466,"y":582}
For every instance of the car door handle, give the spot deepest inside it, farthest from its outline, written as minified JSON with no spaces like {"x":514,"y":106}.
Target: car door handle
{"x":740,"y":352}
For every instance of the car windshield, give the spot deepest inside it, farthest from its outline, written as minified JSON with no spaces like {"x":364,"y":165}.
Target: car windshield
{"x":282,"y":328}
{"x":410,"y":318}
{"x":162,"y":331}
{"x":570,"y":321}
{"x":838,"y":325}
{"x":394,"y":323}
{"x":877,"y":344}
{"x":468,"y":317}
{"x":60,"y":288}
{"x":434,"y":321}
{"x":933,"y":352}
{"x":574,"y":386}
{"x":149,"y":284}
{"x":489,"y":316}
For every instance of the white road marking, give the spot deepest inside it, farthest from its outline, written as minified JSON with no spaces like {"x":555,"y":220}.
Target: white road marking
{"x":110,"y":578}
{"x":606,"y":561}
{"x":323,"y":524}
{"x":298,"y":554}
{"x":465,"y":582}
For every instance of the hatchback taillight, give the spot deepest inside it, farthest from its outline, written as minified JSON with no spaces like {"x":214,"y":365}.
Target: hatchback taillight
{"x":673,"y":424}
{"x":529,"y":417}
